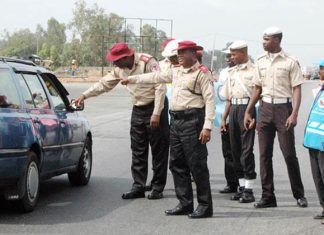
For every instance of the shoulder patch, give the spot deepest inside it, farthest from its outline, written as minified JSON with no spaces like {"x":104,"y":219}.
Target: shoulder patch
{"x":203,"y":68}
{"x":145,"y":58}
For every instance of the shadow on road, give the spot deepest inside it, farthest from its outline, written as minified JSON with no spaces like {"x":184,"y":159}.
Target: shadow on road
{"x":59,"y":202}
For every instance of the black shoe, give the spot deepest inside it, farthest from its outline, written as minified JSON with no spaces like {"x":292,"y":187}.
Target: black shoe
{"x":238,"y":194}
{"x":133,"y":194}
{"x":247,"y":196}
{"x":265,"y":203}
{"x":155,"y":195}
{"x":201,"y":212}
{"x":147,"y":188}
{"x":319,"y":216}
{"x":180,"y":210}
{"x":228,"y":189}
{"x":302,"y":202}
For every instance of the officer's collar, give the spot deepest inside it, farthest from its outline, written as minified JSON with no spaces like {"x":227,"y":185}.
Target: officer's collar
{"x":241,"y":66}
{"x":195,"y":67}
{"x":275,"y":55}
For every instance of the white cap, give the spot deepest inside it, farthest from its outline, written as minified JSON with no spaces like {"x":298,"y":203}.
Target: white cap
{"x":272,"y":31}
{"x":171,"y":48}
{"x":227,"y":50}
{"x":238,"y":45}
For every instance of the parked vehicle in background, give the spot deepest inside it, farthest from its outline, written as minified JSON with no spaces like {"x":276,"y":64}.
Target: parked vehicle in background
{"x":41,"y":134}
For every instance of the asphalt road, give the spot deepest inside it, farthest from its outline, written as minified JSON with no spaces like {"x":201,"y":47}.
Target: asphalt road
{"x":99,"y":209}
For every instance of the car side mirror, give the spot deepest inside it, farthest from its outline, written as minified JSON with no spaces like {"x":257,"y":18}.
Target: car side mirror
{"x":73,"y":106}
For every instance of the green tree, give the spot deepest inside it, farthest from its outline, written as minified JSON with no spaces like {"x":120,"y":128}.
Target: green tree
{"x":71,"y":51}
{"x":45,"y":52}
{"x":21,"y":43}
{"x":40,"y":35}
{"x":55,"y":35}
{"x":152,"y":39}
{"x":54,"y":56}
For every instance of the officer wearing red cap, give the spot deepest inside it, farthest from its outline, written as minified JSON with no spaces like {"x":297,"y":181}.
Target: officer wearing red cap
{"x":192,"y":112}
{"x":149,"y":121}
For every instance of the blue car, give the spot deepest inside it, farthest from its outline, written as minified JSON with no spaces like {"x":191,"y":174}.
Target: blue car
{"x":41,"y":134}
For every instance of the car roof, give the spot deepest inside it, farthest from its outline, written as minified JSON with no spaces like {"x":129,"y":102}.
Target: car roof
{"x":28,"y":66}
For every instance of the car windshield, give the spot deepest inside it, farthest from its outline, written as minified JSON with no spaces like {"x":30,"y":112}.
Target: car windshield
{"x":9,"y":97}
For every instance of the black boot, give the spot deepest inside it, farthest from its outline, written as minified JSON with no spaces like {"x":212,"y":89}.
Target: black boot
{"x":238,"y":194}
{"x":247,"y":196}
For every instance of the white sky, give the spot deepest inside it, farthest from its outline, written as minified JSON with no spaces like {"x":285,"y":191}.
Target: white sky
{"x":197,"y":20}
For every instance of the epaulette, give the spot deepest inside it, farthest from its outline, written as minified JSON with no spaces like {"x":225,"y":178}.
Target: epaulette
{"x":261,"y":56}
{"x":292,"y":57}
{"x":145,"y":58}
{"x":203,"y":68}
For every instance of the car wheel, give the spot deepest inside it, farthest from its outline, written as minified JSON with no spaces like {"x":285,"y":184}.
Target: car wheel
{"x":83,"y":173}
{"x":30,"y":185}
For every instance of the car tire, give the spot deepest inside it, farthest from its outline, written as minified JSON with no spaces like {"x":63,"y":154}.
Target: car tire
{"x":83,"y":173}
{"x":30,"y":185}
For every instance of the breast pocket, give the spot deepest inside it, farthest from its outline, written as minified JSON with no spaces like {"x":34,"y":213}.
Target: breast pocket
{"x":248,"y":80}
{"x":282,"y":74}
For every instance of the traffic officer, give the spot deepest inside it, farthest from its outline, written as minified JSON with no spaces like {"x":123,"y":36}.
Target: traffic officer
{"x":149,"y":121}
{"x":229,"y":172}
{"x":237,"y":91}
{"x":277,"y":81}
{"x":170,"y":60}
{"x":170,"y":55}
{"x":165,"y":62}
{"x":192,"y":112}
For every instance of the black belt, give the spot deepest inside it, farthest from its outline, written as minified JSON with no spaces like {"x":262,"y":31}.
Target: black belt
{"x":187,"y":114}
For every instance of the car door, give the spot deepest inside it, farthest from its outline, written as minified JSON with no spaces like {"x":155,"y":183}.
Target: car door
{"x":72,"y":129}
{"x":45,"y":121}
{"x":14,"y":120}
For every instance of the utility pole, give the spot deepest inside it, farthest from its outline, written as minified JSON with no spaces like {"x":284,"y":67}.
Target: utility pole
{"x":212,"y":57}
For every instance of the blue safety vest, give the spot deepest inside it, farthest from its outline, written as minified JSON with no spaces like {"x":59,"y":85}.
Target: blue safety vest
{"x":314,"y":131}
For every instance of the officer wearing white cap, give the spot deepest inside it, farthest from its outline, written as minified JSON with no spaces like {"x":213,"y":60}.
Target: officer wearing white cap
{"x":277,"y":81}
{"x":229,"y":172}
{"x":170,"y":55}
{"x":237,"y":91}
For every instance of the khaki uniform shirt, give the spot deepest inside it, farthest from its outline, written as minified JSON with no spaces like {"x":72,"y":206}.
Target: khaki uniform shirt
{"x":185,"y":95}
{"x":239,"y":76}
{"x":277,"y":76}
{"x":142,"y":94}
{"x":165,"y":64}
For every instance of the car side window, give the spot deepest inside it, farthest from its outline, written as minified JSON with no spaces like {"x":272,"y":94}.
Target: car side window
{"x":25,"y":92}
{"x":36,"y":90}
{"x":58,"y":102}
{"x":9,"y":97}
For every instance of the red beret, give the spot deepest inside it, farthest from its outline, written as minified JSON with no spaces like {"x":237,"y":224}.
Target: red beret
{"x":189,"y":45}
{"x":118,"y":51}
